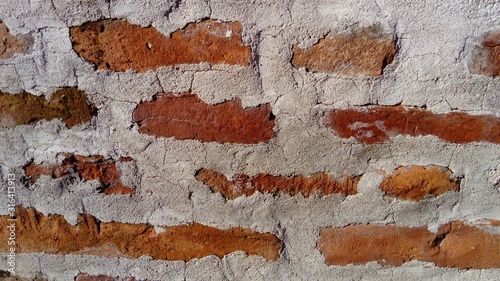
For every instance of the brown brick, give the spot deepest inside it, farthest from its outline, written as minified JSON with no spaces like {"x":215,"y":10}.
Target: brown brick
{"x":53,"y":235}
{"x":118,"y":45}
{"x":380,"y":123}
{"x":87,"y":277}
{"x":69,"y":104}
{"x":188,"y":117}
{"x":10,"y":45}
{"x":239,"y":185}
{"x":416,"y":182}
{"x":456,"y":244}
{"x":365,"y":52}
{"x":485,"y":58}
{"x":86,"y":168}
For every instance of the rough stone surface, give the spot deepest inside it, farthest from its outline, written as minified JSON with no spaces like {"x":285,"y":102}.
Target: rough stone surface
{"x":365,"y":52}
{"x":119,"y":45}
{"x":417,"y":182}
{"x":10,"y":45}
{"x":84,"y":168}
{"x":112,"y":239}
{"x":486,"y":56}
{"x":187,"y":117}
{"x":456,"y":244}
{"x":378,"y":124}
{"x":69,"y":104}
{"x":317,"y":184}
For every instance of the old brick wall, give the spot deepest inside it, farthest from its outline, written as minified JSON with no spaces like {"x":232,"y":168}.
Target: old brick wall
{"x":249,"y":140}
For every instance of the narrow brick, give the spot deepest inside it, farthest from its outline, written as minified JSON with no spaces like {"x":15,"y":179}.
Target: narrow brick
{"x":380,"y":123}
{"x":188,"y":117}
{"x":416,"y":182}
{"x":366,"y":52}
{"x":321,"y":184}
{"x":11,"y":45}
{"x":51,"y":234}
{"x":87,"y":277}
{"x":485,"y":58}
{"x":7,"y":276}
{"x":456,"y":244}
{"x":118,"y":45}
{"x":68,"y":104}
{"x":85,"y":168}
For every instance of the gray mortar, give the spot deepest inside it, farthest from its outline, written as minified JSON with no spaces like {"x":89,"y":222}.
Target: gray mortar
{"x":435,"y":41}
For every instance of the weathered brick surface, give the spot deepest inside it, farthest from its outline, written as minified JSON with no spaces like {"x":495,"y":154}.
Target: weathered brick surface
{"x":85,"y":168}
{"x":239,"y":185}
{"x":52,"y":234}
{"x":87,"y":277}
{"x":366,"y":52}
{"x":456,"y":244}
{"x":416,"y":182}
{"x":10,"y":45}
{"x":7,"y":276}
{"x":380,"y":123}
{"x":486,"y":56}
{"x":118,"y":45}
{"x":188,"y":117}
{"x":69,"y":104}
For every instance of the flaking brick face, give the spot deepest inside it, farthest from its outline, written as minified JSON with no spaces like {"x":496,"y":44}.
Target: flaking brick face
{"x":249,"y":140}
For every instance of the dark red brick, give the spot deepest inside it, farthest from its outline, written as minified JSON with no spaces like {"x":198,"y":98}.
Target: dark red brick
{"x":379,"y":123}
{"x":188,"y":117}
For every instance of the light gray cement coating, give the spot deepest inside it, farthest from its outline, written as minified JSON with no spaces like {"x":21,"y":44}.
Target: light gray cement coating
{"x":435,"y":42}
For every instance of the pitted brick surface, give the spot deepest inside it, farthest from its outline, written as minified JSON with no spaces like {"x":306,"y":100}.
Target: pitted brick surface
{"x":119,"y":45}
{"x":380,"y":123}
{"x":320,"y":184}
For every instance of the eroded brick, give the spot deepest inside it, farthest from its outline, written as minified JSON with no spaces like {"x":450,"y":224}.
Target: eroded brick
{"x":380,"y":123}
{"x":456,"y":244}
{"x":52,"y":234}
{"x":239,"y":185}
{"x":87,"y":277}
{"x":485,"y":58}
{"x":416,"y":182}
{"x":118,"y":45}
{"x":188,"y":117}
{"x":85,"y":168}
{"x":10,"y":45}
{"x":365,"y":52}
{"x":69,"y":104}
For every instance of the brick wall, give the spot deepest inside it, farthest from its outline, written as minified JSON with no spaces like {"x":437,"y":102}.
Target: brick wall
{"x":249,"y":140}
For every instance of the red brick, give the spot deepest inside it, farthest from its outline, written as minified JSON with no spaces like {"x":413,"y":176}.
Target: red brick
{"x":188,"y":117}
{"x":69,"y":104}
{"x":86,"y":168}
{"x":53,"y":235}
{"x":365,"y":52}
{"x":456,"y":244}
{"x":485,"y":58}
{"x":11,"y":45}
{"x":239,"y":185}
{"x":416,"y":182}
{"x":118,"y":45}
{"x":379,"y":123}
